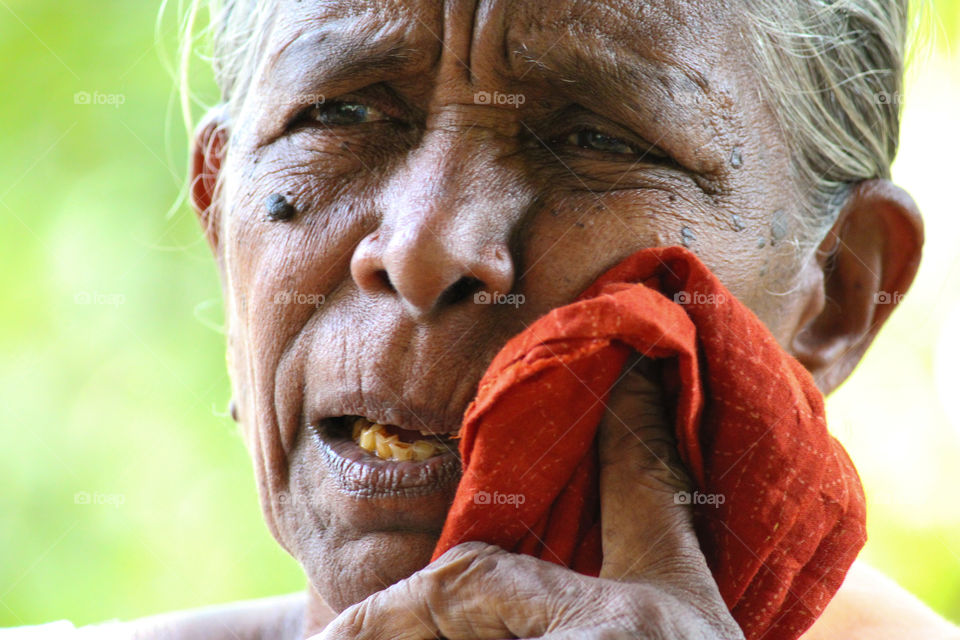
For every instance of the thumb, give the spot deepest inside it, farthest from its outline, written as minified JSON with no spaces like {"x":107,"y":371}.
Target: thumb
{"x":645,"y":527}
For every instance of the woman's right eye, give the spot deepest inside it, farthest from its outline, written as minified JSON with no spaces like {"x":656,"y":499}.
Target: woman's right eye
{"x":340,"y":113}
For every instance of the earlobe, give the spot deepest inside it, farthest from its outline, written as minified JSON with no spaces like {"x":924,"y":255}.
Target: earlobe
{"x":867,"y":262}
{"x":209,"y":147}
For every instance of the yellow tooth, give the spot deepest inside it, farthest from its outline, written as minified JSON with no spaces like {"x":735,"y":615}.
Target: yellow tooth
{"x":401,"y":451}
{"x":367,"y":440}
{"x":421,"y":449}
{"x":383,"y":445}
{"x":373,"y":437}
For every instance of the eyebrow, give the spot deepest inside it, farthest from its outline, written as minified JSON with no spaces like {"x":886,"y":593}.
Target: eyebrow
{"x":621,"y":75}
{"x":666,"y":102}
{"x":334,"y":55}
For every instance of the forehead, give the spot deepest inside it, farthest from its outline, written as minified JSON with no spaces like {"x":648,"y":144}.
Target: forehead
{"x":692,"y":35}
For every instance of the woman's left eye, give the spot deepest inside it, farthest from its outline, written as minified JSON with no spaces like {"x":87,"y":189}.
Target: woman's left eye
{"x":596,"y":141}
{"x":345,"y":112}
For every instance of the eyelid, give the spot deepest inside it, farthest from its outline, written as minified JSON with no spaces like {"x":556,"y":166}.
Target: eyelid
{"x":576,"y":118}
{"x":641,"y":150}
{"x":366,"y":104}
{"x":377,"y":96}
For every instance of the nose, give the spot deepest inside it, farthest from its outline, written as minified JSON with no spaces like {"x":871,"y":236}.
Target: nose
{"x":444,"y":235}
{"x":429,"y":274}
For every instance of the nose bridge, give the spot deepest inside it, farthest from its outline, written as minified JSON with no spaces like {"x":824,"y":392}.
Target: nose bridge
{"x":448,"y":216}
{"x":442,"y":193}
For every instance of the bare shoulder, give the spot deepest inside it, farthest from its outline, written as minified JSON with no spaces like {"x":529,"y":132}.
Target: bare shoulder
{"x":277,"y":618}
{"x":871,"y":606}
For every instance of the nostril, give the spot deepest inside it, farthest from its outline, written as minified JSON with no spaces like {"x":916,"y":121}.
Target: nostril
{"x":460,"y":290}
{"x":384,"y":279}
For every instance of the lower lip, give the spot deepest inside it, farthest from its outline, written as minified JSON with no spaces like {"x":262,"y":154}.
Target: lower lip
{"x":364,"y":475}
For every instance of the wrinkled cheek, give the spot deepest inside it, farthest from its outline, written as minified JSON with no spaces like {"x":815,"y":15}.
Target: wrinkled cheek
{"x":576,"y":238}
{"x":266,"y":377}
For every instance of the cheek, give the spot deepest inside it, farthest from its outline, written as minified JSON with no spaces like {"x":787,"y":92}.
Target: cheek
{"x":579,"y":236}
{"x":277,"y":274}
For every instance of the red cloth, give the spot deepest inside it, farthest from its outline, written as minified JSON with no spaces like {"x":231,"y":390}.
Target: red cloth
{"x":749,"y":425}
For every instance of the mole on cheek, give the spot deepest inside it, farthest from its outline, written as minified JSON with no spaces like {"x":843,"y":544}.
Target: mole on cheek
{"x":736,"y":158}
{"x":278,"y":208}
{"x":778,"y":227}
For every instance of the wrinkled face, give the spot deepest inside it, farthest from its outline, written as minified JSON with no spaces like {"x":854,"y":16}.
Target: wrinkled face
{"x":434,"y":151}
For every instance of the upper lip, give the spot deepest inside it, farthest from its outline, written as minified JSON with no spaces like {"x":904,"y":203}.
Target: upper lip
{"x":377,"y":408}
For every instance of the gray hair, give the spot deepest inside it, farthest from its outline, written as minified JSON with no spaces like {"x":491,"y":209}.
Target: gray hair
{"x":831,"y":69}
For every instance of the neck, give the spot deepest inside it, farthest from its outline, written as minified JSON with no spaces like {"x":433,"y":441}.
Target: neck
{"x":317,"y":614}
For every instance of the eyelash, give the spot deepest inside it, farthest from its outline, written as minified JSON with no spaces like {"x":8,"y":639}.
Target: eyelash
{"x":315,"y":112}
{"x":572,"y":139}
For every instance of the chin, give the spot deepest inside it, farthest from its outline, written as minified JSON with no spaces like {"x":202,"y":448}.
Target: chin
{"x":348,"y":573}
{"x":351,"y":540}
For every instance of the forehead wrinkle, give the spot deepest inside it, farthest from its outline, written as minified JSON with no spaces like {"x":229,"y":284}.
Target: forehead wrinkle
{"x":348,"y":39}
{"x":655,"y":37}
{"x":331,"y":55}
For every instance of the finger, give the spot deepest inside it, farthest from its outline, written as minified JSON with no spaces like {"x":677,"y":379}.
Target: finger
{"x":645,"y":530}
{"x":395,"y":612}
{"x":474,"y":590}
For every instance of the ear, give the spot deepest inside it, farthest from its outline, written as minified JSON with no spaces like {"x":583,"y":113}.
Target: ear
{"x":209,"y":147}
{"x":866,"y":263}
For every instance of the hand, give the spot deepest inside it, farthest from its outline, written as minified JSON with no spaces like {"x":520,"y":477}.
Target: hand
{"x":654,"y":582}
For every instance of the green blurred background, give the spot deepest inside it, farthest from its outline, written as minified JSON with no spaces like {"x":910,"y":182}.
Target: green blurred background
{"x":125,"y":490}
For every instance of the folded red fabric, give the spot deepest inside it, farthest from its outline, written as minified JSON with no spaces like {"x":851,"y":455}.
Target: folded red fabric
{"x":749,"y":423}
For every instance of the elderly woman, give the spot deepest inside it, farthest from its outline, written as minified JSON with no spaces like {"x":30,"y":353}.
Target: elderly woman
{"x":376,"y":165}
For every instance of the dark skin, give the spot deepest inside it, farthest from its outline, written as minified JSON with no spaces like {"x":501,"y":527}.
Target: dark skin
{"x":410,"y":197}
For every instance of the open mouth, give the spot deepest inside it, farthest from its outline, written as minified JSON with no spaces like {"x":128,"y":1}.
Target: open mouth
{"x":375,"y":459}
{"x":390,"y":442}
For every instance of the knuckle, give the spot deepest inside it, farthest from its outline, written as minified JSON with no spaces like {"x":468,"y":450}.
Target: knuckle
{"x":348,"y":624}
{"x":427,"y":586}
{"x":468,"y":551}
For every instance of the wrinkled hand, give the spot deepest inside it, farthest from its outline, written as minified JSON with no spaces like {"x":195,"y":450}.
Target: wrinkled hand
{"x":654,"y":582}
